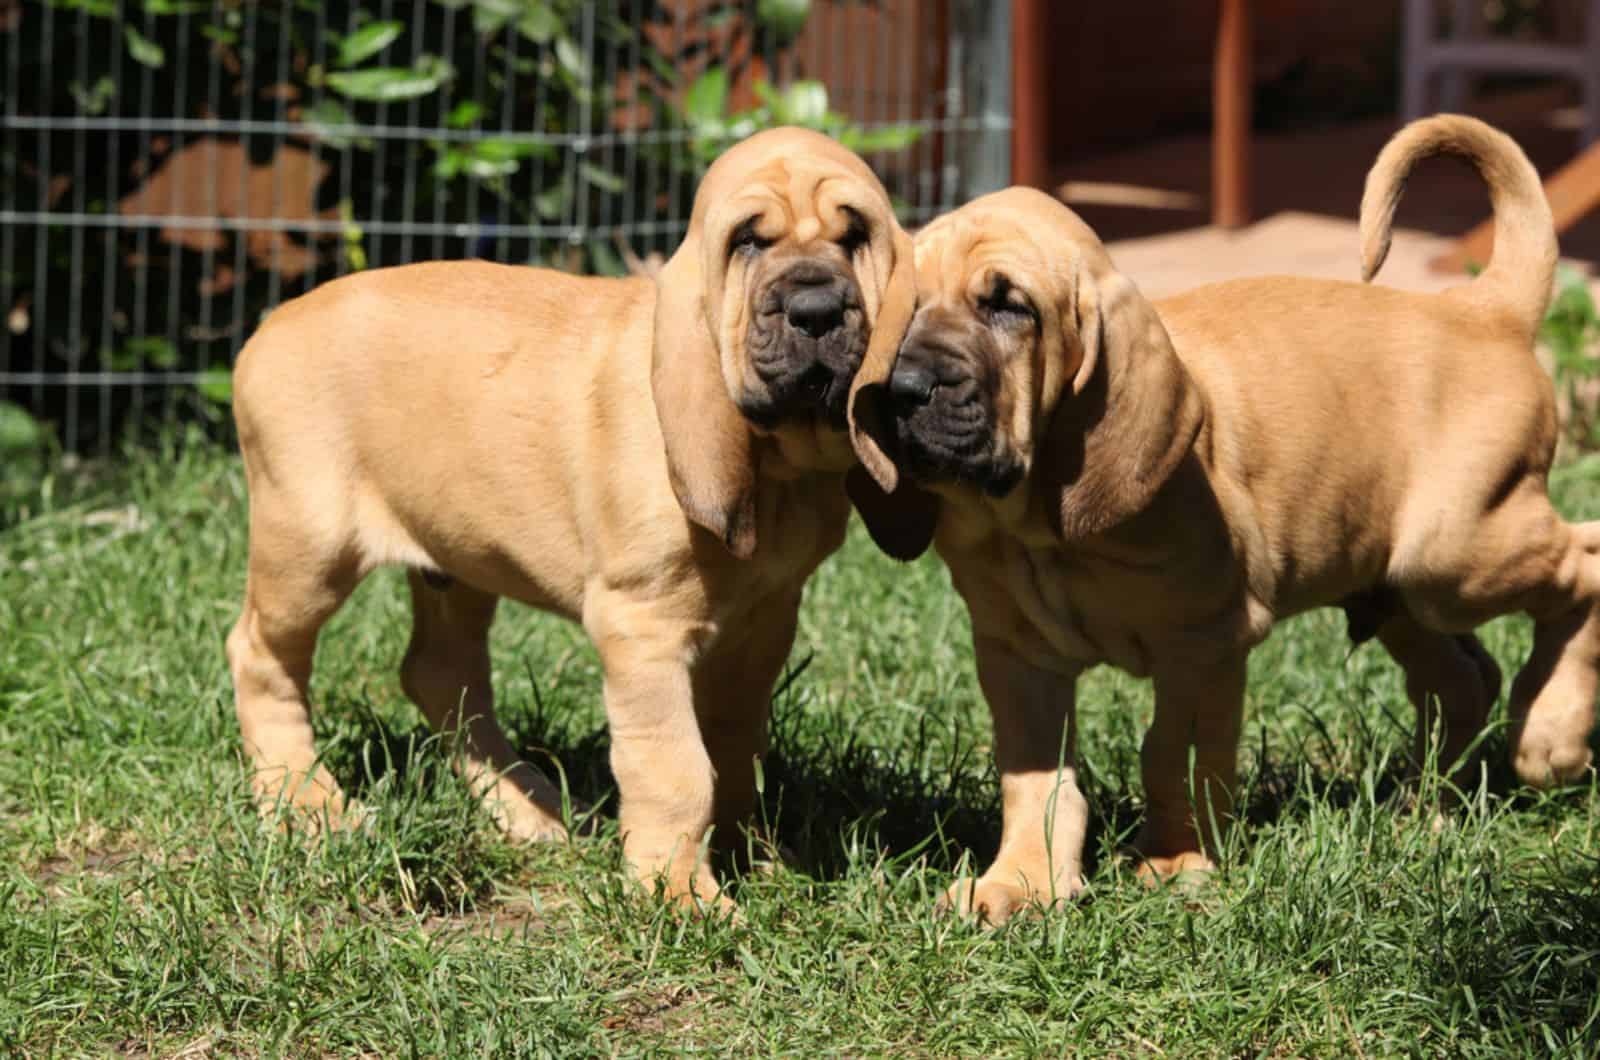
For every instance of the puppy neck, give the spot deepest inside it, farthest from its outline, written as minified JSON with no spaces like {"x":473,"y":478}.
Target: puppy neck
{"x":798,"y":449}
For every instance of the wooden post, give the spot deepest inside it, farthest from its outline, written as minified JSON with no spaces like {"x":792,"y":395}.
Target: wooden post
{"x":1230,"y":103}
{"x":1030,"y":163}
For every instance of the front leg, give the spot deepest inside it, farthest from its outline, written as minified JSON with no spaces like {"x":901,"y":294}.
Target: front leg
{"x":664,"y":775}
{"x":1044,"y":814}
{"x":1199,"y":706}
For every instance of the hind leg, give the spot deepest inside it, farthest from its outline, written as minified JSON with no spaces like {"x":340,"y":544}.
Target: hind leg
{"x":291,"y":590}
{"x":1552,"y":698}
{"x":1524,"y":557}
{"x":1450,"y":680}
{"x":446,"y":674}
{"x":1199,"y":706}
{"x":733,"y":704}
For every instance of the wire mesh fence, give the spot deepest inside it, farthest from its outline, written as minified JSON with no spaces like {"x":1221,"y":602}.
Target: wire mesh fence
{"x":173,"y":169}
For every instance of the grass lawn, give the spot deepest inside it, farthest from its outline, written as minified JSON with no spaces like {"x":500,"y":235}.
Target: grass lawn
{"x":145,"y":910}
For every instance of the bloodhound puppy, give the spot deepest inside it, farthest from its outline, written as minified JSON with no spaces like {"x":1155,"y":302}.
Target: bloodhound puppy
{"x":662,"y":461}
{"x":1154,"y":486}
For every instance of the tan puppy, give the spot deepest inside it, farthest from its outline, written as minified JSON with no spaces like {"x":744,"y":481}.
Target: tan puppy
{"x":1111,"y":485}
{"x":507,"y":431}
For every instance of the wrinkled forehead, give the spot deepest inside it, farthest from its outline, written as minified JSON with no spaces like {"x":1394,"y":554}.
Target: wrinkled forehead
{"x":968,"y":246}
{"x":787,"y":192}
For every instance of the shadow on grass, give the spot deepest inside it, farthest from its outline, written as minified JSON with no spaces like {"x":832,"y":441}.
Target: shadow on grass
{"x":817,"y":797}
{"x":822,"y":796}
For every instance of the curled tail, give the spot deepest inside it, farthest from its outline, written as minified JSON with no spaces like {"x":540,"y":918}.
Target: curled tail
{"x":1522,"y":267}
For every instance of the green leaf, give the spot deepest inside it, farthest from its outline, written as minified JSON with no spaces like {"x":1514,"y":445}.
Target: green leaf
{"x":449,"y":163}
{"x":552,"y":202}
{"x":704,"y":103}
{"x":153,"y":350}
{"x":604,"y":259}
{"x":98,"y":8}
{"x":325,"y":116}
{"x":804,"y":103}
{"x":785,"y":18}
{"x":539,"y":23}
{"x":572,"y":59}
{"x":487,"y":163}
{"x":385,"y":84}
{"x":216,"y":384}
{"x":96,"y":99}
{"x":173,"y":7}
{"x":603,"y":179}
{"x":144,"y":50}
{"x":888,"y":138}
{"x":18,"y":430}
{"x":485,"y":159}
{"x":366,"y":42}
{"x":490,"y":16}
{"x":465,"y":114}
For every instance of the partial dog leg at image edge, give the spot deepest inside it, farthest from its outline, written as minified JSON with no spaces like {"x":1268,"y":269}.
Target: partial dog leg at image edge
{"x":1525,"y":558}
{"x":1552,"y":698}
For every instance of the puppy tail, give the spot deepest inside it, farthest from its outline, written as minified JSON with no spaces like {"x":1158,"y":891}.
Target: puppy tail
{"x":1522,"y":266}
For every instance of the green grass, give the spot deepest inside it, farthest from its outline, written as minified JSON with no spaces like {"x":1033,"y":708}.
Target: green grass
{"x":145,"y":910}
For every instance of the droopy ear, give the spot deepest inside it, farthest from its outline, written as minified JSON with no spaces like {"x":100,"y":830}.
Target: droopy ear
{"x":1129,"y":415}
{"x":868,"y":430}
{"x":710,"y":458}
{"x":901,"y":523}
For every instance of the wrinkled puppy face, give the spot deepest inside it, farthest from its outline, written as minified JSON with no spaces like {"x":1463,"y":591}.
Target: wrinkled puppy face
{"x":807,"y":327}
{"x":795,"y":242}
{"x":1031,"y":372}
{"x":992,"y":345}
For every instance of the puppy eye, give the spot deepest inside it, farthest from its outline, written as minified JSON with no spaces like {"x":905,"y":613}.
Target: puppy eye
{"x":855,"y":237}
{"x":1006,"y":306}
{"x":746,"y":239}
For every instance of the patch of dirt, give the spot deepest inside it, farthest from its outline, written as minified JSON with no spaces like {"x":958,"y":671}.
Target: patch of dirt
{"x":90,"y":851}
{"x":203,"y":1046}
{"x":672,"y":1008}
{"x":517,"y":917}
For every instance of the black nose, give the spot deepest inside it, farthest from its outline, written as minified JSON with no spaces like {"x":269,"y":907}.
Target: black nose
{"x":912,"y":383}
{"x":815,"y":310}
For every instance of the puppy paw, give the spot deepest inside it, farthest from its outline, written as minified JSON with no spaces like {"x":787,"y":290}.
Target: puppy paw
{"x":992,"y":902}
{"x":1188,"y":867}
{"x":525,"y":823}
{"x":310,"y":804}
{"x":699,"y":897}
{"x":693,"y":892}
{"x":341,"y":815}
{"x":1550,"y":759}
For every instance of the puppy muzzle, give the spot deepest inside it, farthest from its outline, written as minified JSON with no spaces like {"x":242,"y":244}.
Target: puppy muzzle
{"x":807,"y":337}
{"x":945,"y":427}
